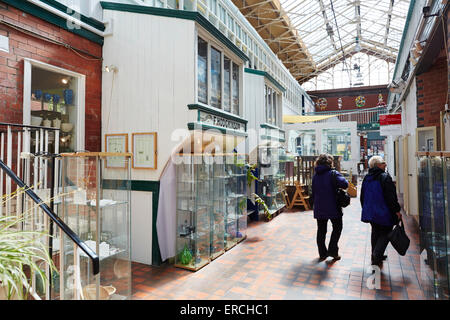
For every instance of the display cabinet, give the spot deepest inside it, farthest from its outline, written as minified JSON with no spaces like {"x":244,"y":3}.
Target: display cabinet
{"x":95,"y":203}
{"x":211,"y":207}
{"x":271,"y":176}
{"x":193,"y":217}
{"x":434,"y":196}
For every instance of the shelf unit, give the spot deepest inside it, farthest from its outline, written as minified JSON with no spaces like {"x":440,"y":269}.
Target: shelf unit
{"x":211,"y":208}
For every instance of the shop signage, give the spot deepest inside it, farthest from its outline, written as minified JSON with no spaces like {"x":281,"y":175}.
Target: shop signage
{"x":391,"y":124}
{"x":219,"y":121}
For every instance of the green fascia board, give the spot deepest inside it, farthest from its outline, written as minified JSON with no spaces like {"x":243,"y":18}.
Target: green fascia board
{"x":45,"y":15}
{"x":203,"y":126}
{"x":203,"y":107}
{"x":180,"y":14}
{"x":270,"y":126}
{"x":267,"y":76}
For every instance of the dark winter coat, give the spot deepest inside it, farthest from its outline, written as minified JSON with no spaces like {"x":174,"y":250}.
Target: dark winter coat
{"x":379,"y":198}
{"x":324,"y":193}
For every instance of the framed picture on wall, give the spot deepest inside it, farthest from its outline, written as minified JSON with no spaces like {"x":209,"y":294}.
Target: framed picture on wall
{"x":145,"y":150}
{"x":116,"y":143}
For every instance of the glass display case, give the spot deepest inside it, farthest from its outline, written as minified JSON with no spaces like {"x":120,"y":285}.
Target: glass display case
{"x":271,"y":175}
{"x":95,"y":203}
{"x":193,"y":222}
{"x":211,"y":207}
{"x":337,"y":142}
{"x":433,"y":190}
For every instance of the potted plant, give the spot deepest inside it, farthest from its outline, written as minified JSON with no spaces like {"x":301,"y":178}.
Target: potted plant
{"x":20,"y":250}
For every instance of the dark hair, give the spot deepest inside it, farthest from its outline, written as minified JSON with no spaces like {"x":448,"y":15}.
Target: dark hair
{"x":324,"y":159}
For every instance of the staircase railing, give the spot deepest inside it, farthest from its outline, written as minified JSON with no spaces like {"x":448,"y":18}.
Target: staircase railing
{"x":31,"y":183}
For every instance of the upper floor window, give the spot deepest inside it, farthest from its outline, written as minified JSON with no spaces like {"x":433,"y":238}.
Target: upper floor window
{"x":217,"y":78}
{"x":271,"y":101}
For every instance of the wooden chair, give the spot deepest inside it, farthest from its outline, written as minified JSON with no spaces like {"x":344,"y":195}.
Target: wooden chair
{"x":300,"y":198}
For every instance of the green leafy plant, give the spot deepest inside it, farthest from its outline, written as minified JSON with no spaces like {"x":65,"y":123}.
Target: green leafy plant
{"x":264,"y":205}
{"x":20,"y":250}
{"x":250,"y":176}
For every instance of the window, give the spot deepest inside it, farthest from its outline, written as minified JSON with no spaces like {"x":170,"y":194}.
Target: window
{"x":216,"y":78}
{"x":271,"y":98}
{"x":202,"y":66}
{"x":226,"y":84}
{"x":235,"y":109}
{"x":337,"y":142}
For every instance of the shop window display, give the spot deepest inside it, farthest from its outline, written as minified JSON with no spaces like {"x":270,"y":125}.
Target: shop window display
{"x":337,"y":142}
{"x":54,"y":104}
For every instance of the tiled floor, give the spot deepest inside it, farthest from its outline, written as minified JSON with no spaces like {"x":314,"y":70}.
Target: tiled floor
{"x":278,"y":260}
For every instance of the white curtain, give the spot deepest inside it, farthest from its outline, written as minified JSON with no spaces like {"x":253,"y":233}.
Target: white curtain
{"x":166,"y":220}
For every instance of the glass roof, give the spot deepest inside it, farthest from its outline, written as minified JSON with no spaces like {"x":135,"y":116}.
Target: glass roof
{"x":330,"y":28}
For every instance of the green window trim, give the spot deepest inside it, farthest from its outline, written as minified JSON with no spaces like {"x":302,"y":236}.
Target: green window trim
{"x":52,"y":18}
{"x":180,"y":14}
{"x":270,"y":126}
{"x":267,"y":76}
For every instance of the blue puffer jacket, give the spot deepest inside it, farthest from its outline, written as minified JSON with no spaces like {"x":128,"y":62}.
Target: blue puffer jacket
{"x":324,"y":194}
{"x":379,"y":198}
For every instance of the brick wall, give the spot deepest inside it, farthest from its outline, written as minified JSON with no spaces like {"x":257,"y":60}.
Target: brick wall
{"x":432,"y":87}
{"x":22,"y":45}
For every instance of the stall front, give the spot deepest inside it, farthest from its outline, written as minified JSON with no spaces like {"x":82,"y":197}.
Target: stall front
{"x":184,"y":77}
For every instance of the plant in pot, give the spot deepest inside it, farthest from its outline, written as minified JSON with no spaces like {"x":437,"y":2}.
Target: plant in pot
{"x":21,"y":252}
{"x":250,"y":178}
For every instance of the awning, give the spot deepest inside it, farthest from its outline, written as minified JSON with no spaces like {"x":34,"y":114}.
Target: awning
{"x":303,"y":119}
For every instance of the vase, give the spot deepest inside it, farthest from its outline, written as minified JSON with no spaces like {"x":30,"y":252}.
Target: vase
{"x":47,"y":97}
{"x":47,"y":123}
{"x":68,"y":96}
{"x":38,"y":94}
{"x":56,"y":123}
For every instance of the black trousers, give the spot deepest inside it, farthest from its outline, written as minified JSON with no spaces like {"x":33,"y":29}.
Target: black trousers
{"x":379,"y":241}
{"x":333,"y":248}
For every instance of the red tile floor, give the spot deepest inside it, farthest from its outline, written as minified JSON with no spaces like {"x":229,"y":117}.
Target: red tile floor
{"x":278,"y":260}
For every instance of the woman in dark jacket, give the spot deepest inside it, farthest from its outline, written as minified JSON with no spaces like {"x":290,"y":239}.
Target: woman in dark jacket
{"x":380,"y":206}
{"x":325,"y":205}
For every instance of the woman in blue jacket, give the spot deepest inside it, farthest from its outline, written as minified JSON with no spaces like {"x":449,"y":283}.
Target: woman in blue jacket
{"x":380,"y":206}
{"x":325,"y":205}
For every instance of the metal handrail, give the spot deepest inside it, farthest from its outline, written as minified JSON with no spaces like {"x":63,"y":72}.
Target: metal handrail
{"x":65,"y":228}
{"x":338,"y":112}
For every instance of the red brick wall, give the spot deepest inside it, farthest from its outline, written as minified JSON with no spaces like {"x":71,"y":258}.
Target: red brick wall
{"x":432,"y":87}
{"x":22,"y":45}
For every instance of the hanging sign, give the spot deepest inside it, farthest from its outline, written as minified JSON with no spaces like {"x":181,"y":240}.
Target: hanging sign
{"x":391,"y":124}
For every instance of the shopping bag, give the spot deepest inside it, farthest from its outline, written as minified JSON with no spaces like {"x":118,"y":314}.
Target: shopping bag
{"x":399,"y":239}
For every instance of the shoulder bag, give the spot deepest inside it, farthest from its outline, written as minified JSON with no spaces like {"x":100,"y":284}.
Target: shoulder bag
{"x":342,"y":197}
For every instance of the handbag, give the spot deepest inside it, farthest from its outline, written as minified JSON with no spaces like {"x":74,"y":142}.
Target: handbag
{"x":342,"y":197}
{"x":399,"y":239}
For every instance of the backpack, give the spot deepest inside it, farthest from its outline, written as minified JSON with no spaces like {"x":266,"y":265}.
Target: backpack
{"x":342,"y":197}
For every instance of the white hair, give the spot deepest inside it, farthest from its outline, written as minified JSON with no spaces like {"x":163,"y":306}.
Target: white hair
{"x":374,"y":161}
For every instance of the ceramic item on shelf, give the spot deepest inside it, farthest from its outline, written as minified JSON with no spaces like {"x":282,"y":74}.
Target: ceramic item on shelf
{"x":38,"y":94}
{"x":89,"y":292}
{"x":66,"y":126}
{"x":36,"y":121}
{"x":47,"y":123}
{"x":57,"y":123}
{"x":68,"y":96}
{"x":122,"y":268}
{"x":55,"y":98}
{"x":47,"y":97}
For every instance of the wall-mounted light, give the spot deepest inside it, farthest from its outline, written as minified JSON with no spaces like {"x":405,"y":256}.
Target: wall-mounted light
{"x":65,"y":80}
{"x":110,"y":68}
